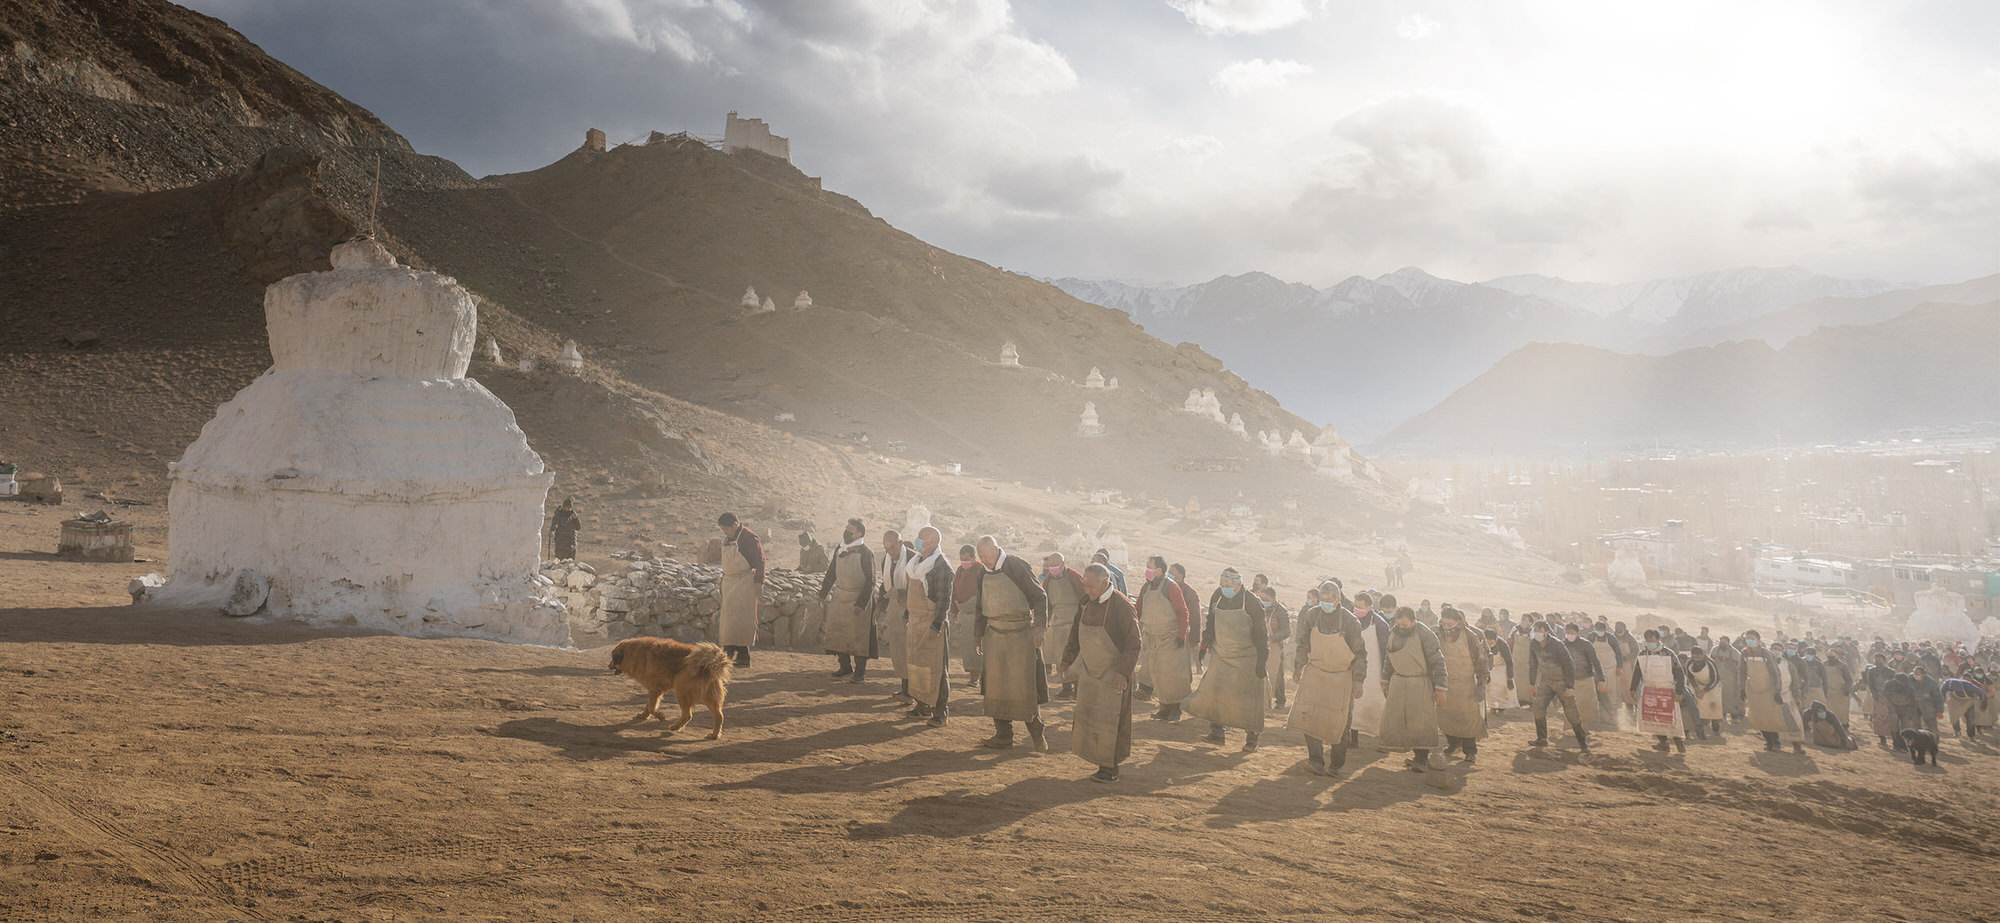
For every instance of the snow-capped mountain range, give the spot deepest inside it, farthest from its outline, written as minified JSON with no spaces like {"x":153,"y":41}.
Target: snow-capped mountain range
{"x":1364,"y":353}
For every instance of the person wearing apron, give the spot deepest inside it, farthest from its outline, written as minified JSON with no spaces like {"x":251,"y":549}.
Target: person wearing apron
{"x":742,"y":587}
{"x":1101,"y":651}
{"x":1232,"y":689}
{"x":1500,"y":671}
{"x":1462,"y":717}
{"x":964,"y":593}
{"x":930,"y":580}
{"x":1010,"y":615}
{"x":1163,"y":628}
{"x":1617,"y":668}
{"x":892,"y":607}
{"x":1590,"y":684}
{"x":1704,"y":678}
{"x":1332,"y":667}
{"x":1659,"y":683}
{"x":1367,"y":717}
{"x":1064,"y":588}
{"x":847,"y":591}
{"x":1551,"y":678}
{"x":1767,"y":695}
{"x":1414,"y":687}
{"x":1519,"y":645}
{"x":1839,"y":685}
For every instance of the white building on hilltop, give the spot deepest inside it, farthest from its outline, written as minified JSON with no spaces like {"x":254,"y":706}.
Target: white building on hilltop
{"x":741,"y":134}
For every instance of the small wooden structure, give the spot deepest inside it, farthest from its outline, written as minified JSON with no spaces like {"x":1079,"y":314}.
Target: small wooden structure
{"x":96,"y":540}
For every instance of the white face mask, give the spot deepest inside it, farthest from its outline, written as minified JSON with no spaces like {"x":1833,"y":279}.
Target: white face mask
{"x":1540,"y":635}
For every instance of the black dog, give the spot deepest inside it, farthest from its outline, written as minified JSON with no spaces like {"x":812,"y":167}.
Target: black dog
{"x":1920,"y":742}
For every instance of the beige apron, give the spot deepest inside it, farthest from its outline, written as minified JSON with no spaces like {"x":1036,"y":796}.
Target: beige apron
{"x":1409,"y":717}
{"x":1231,"y":694}
{"x":848,"y":631}
{"x":1621,"y":676}
{"x":1099,"y":705}
{"x":1368,"y":709}
{"x":1842,"y":706}
{"x":1659,"y":707}
{"x":923,"y":647}
{"x":1463,"y":715}
{"x":893,"y":625}
{"x":1585,"y":688}
{"x":1764,"y":713}
{"x":1326,"y":689}
{"x":1013,"y":682}
{"x":737,"y":624}
{"x":1708,"y":704}
{"x":1497,"y":693}
{"x":1169,"y":667}
{"x":1064,"y":600}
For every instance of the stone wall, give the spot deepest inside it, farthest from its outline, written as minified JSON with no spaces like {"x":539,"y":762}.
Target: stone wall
{"x":665,"y":598}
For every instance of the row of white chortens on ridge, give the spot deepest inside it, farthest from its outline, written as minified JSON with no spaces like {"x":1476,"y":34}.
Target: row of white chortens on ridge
{"x":767,"y":306}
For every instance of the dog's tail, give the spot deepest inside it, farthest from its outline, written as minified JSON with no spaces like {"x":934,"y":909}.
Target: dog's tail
{"x":709,"y":662}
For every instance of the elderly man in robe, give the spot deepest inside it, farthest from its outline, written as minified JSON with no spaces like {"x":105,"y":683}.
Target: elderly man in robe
{"x":1064,"y":588}
{"x":1102,"y":650}
{"x":1232,"y":691}
{"x":742,"y":588}
{"x":1010,"y":615}
{"x":848,"y":593}
{"x":929,"y":651}
{"x":1332,"y":668}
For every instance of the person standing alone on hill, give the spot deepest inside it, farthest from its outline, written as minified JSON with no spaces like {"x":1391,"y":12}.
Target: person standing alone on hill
{"x":742,"y":588}
{"x":564,"y":527}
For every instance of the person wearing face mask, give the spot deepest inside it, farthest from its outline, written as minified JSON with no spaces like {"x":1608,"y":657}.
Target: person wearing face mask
{"x":1102,"y":650}
{"x":1728,"y":659}
{"x":1332,"y":668}
{"x":1881,"y":716}
{"x":1064,"y":588}
{"x":1367,"y":718}
{"x":1414,"y":687}
{"x":1812,"y":677}
{"x":1659,"y":683}
{"x":964,"y":591}
{"x":892,"y":606}
{"x":1499,"y":672}
{"x":742,"y":586}
{"x":1552,"y":675}
{"x":1467,"y":665}
{"x":1704,"y":678}
{"x":1768,"y":696}
{"x":848,"y":592}
{"x":1232,"y":691}
{"x":1590,"y":684}
{"x":930,"y":582}
{"x":1163,"y":626}
{"x":1009,"y":616}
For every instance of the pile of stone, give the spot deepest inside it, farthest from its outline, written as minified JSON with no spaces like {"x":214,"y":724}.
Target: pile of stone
{"x":665,"y":598}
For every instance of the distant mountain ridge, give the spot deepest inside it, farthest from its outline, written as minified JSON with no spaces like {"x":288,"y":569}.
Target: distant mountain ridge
{"x":1424,"y":336}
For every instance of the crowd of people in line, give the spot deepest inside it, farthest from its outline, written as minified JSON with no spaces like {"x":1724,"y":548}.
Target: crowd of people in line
{"x":1416,"y":679}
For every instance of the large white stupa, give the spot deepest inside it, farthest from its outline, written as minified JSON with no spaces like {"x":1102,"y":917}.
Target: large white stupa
{"x":364,"y":480}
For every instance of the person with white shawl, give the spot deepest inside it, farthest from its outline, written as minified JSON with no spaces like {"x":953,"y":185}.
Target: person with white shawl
{"x":926,"y":644}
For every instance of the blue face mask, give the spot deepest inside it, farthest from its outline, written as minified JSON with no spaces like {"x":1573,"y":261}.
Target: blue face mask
{"x":1326,"y":607}
{"x":1229,"y":592}
{"x":918,"y":545}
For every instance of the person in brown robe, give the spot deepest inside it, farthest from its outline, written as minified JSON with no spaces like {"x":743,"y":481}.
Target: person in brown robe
{"x":1103,"y":646}
{"x":964,"y":591}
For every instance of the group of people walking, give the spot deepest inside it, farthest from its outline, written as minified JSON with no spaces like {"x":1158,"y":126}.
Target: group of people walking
{"x":1417,"y":680}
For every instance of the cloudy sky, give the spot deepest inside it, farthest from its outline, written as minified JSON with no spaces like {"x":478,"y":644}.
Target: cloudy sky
{"x":1174,"y":140}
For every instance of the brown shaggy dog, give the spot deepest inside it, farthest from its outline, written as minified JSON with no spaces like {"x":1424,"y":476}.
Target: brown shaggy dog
{"x":692,"y":672}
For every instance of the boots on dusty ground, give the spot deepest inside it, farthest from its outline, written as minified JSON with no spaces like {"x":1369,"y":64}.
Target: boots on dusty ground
{"x":1541,"y":733}
{"x":1582,"y":739}
{"x":860,"y":671}
{"x":1039,"y":742}
{"x":846,"y":666}
{"x":1003,"y":735}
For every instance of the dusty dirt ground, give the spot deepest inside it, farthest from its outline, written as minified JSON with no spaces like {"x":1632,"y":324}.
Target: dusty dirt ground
{"x":185,"y":766}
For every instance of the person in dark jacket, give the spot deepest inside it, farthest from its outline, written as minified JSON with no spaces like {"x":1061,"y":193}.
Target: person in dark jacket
{"x":930,"y":585}
{"x":1930,"y":697}
{"x":1232,"y":691}
{"x":1277,"y":628}
{"x":1552,"y":675}
{"x":564,"y":527}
